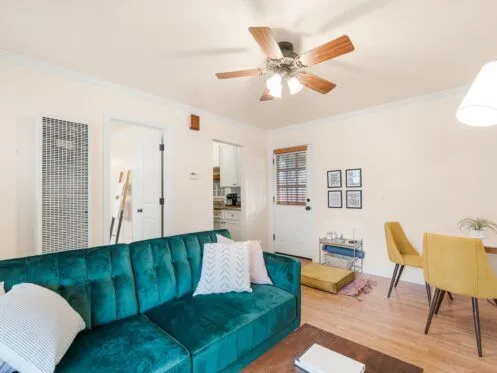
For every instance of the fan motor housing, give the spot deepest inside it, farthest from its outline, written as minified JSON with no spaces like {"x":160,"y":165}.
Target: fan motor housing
{"x":287,"y":49}
{"x":289,"y":64}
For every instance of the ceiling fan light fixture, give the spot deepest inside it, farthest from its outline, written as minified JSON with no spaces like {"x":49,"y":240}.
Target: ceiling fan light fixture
{"x":274,"y":82}
{"x":294,"y":85}
{"x":479,"y":106}
{"x":276,"y":91}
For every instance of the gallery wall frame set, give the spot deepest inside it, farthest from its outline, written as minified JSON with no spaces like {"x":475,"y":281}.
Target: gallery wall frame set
{"x":353,"y":197}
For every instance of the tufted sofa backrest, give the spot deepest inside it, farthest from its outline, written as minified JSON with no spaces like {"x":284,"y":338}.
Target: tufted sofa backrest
{"x":97,"y":282}
{"x":168,"y":268}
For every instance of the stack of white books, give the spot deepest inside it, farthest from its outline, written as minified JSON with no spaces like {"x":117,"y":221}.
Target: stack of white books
{"x":319,"y":359}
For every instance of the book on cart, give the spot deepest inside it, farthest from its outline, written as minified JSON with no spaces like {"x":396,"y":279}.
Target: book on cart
{"x":319,"y":359}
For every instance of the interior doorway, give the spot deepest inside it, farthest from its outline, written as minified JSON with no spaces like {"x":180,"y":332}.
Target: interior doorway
{"x":139,"y":150}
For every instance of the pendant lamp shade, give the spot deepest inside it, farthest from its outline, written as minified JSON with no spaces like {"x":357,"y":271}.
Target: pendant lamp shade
{"x":479,"y":106}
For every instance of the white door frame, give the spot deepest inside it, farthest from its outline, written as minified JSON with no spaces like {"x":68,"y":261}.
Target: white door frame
{"x":311,"y":190}
{"x":106,"y":213}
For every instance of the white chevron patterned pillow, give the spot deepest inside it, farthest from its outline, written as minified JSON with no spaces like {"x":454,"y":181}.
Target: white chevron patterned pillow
{"x":225,"y":268}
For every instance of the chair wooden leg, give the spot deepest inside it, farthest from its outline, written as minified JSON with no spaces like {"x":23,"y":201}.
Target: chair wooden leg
{"x":450,"y":296}
{"x":442,"y":295}
{"x":394,"y":276}
{"x":433,"y":306}
{"x":400,"y":274}
{"x":476,"y":318}
{"x":428,"y":293}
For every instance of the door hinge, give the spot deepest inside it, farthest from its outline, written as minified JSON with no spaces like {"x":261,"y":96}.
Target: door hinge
{"x":161,"y":201}
{"x":274,"y":237}
{"x":161,"y":147}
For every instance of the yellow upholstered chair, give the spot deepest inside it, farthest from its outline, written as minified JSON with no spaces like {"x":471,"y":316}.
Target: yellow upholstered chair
{"x":402,"y":253}
{"x":459,"y":265}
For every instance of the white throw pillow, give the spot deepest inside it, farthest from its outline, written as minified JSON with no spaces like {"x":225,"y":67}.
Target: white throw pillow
{"x":37,"y":326}
{"x":4,"y":367}
{"x":258,"y":270}
{"x":225,"y":268}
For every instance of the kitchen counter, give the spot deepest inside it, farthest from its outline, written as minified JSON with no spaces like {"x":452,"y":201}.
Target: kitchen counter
{"x":238,"y":208}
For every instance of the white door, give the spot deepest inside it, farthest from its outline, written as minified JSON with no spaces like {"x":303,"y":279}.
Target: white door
{"x":293,"y":215}
{"x":146,"y":186}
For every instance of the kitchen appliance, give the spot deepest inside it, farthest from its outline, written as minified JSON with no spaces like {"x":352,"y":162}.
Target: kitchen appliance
{"x":231,"y":199}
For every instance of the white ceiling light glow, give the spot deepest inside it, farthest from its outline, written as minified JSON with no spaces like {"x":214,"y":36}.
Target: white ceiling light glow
{"x":294,"y":85}
{"x":479,"y":106}
{"x":274,"y":85}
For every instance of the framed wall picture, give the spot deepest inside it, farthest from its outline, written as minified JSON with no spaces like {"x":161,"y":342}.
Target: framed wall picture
{"x":335,"y":179}
{"x":353,"y":178}
{"x":353,"y":199}
{"x":334,"y":199}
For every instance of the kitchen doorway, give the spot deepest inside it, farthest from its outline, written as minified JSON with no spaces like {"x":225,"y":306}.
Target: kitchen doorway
{"x":227,"y":188}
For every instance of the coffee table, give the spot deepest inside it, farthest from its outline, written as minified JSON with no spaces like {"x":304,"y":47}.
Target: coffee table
{"x":281,"y":357}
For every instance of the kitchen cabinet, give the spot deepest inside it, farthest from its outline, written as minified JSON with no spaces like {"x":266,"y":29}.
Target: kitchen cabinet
{"x":230,"y":220}
{"x":235,"y":229}
{"x":229,"y":159}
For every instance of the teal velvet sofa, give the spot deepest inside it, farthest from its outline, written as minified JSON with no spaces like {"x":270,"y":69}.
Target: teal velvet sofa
{"x":136,"y":300}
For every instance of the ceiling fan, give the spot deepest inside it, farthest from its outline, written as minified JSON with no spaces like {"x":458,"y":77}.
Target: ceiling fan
{"x":284,"y":64}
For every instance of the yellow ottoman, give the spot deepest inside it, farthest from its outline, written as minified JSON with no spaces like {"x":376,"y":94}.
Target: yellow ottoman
{"x":323,"y":277}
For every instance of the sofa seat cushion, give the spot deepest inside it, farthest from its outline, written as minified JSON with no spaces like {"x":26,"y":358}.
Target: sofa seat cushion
{"x":218,"y":329}
{"x":129,"y":345}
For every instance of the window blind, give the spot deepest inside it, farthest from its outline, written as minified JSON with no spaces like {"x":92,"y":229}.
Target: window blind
{"x":64,"y":185}
{"x":291,"y":175}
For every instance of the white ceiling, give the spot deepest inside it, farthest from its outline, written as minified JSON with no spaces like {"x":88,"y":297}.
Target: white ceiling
{"x":173,"y":48}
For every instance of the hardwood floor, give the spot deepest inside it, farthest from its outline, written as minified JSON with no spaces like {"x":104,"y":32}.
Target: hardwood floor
{"x":395,"y":326}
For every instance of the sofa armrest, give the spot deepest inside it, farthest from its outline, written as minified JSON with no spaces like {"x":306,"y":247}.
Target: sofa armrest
{"x":284,"y":271}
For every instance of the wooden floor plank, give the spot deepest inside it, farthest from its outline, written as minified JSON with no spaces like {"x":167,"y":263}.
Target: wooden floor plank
{"x":395,"y":326}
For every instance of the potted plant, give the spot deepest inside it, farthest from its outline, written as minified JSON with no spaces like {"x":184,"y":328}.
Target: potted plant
{"x":476,"y":226}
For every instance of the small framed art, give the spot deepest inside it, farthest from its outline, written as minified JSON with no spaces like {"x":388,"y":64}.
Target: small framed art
{"x":353,"y":178}
{"x":334,"y":199}
{"x":335,"y":179}
{"x":353,"y":199}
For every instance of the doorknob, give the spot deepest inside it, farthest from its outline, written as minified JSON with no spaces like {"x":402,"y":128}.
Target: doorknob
{"x":308,"y":208}
{"x":139,"y":211}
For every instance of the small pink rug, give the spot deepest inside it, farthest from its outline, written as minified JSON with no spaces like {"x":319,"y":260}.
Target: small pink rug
{"x":361,"y":285}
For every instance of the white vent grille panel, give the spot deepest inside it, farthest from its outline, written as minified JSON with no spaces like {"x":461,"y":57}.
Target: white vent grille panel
{"x":64,"y":185}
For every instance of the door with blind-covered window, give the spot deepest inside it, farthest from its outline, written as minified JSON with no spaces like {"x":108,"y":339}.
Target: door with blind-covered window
{"x":293,"y":215}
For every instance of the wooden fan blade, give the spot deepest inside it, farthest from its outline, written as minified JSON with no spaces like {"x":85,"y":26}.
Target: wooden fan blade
{"x":266,"y":96}
{"x":264,"y":37}
{"x":315,"y":83}
{"x":239,"y":74}
{"x":327,"y":51}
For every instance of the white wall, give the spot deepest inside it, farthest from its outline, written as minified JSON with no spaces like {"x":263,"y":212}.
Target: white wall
{"x":420,"y":167}
{"x":30,"y":88}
